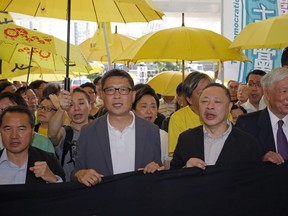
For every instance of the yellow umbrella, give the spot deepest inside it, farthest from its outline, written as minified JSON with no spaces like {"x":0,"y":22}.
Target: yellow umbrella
{"x":270,"y":33}
{"x":19,"y":72}
{"x":21,"y":54}
{"x":165,"y":83}
{"x":91,"y":51}
{"x":96,"y":10}
{"x":15,"y":34}
{"x":182,"y":43}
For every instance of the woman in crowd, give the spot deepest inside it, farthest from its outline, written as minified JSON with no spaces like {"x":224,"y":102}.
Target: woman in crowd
{"x":146,"y":105}
{"x":90,"y":89}
{"x":45,"y":112}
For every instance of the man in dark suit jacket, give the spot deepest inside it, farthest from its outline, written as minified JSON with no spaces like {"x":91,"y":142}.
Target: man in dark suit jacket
{"x":18,"y":156}
{"x":263,"y":125}
{"x":216,"y":142}
{"x":119,"y":141}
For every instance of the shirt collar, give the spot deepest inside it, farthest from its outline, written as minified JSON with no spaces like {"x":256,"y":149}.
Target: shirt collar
{"x":221,"y":135}
{"x":274,"y":119}
{"x":129,"y":126}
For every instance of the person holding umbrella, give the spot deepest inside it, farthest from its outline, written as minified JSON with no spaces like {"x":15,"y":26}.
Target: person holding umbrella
{"x":187,"y":117}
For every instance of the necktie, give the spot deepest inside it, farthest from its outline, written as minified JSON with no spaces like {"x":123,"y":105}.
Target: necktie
{"x":282,"y":143}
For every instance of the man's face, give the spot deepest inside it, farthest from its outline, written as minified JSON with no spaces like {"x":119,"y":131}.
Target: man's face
{"x":194,"y":98}
{"x":118,"y":104}
{"x":39,"y":91}
{"x":5,"y":103}
{"x":214,"y":107}
{"x":233,"y":88}
{"x":16,"y":132}
{"x":277,"y":96}
{"x":80,"y":108}
{"x":255,"y":91}
{"x":31,"y":99}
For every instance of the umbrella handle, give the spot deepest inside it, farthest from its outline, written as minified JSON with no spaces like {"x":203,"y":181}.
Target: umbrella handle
{"x":29,"y":67}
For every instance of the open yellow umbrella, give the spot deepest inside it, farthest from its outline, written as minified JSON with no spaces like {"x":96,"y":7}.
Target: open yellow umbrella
{"x":19,"y":72}
{"x":97,"y":10}
{"x":166,"y":82}
{"x":21,"y":54}
{"x":270,"y":33}
{"x":93,"y":51}
{"x":182,"y":43}
{"x":11,"y":33}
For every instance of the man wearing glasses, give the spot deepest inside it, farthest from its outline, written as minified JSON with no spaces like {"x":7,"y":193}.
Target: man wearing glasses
{"x":118,"y":141}
{"x":255,"y":91}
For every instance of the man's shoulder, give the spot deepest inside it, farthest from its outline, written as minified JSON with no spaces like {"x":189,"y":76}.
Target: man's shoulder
{"x":95,"y":123}
{"x":40,"y":154}
{"x":254,"y":116}
{"x":145,"y":123}
{"x":192,"y":131}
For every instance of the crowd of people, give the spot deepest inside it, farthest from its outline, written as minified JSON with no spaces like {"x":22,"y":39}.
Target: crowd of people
{"x":112,"y":126}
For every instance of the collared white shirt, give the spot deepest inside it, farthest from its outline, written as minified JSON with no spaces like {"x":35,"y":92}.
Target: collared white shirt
{"x":122,"y":147}
{"x":11,"y":173}
{"x":249,"y":107}
{"x":274,"y":123}
{"x":213,"y":146}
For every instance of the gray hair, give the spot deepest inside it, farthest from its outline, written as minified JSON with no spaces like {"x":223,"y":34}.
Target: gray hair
{"x":275,"y":75}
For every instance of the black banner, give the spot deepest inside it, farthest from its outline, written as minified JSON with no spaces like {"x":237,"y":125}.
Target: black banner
{"x":244,"y":191}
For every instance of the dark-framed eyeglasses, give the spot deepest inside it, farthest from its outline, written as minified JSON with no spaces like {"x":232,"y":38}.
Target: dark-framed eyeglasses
{"x":46,"y":109}
{"x":121,"y":90}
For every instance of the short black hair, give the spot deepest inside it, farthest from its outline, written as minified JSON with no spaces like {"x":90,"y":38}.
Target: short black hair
{"x":226,"y":90}
{"x":5,"y":84}
{"x":16,"y":98}
{"x":179,"y":89}
{"x":284,"y":57}
{"x":238,"y":107}
{"x":90,"y":85}
{"x":147,"y":90}
{"x":19,"y":109}
{"x":23,"y":89}
{"x":95,"y":81}
{"x":117,"y":73}
{"x":255,"y":72}
{"x":80,"y":90}
{"x":37,"y":83}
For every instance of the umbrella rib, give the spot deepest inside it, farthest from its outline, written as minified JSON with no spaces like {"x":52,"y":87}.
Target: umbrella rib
{"x":141,"y":13}
{"x":8,"y":5}
{"x":95,"y":11}
{"x":120,"y":12}
{"x":37,"y":9}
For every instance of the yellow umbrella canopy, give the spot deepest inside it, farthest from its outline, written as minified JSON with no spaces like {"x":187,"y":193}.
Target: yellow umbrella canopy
{"x":96,"y":10}
{"x":165,"y":83}
{"x":270,"y":33}
{"x":182,"y":43}
{"x":18,"y":72}
{"x":21,"y":54}
{"x":91,"y":51}
{"x":14,"y":34}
